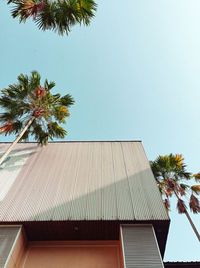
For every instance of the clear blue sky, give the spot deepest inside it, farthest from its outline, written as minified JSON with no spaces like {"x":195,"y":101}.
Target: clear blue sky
{"x":134,"y":74}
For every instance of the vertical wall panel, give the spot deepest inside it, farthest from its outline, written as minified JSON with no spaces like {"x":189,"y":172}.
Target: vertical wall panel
{"x":140,"y":247}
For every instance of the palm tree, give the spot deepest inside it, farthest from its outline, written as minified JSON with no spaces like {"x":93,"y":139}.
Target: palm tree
{"x":58,"y":15}
{"x":170,"y":172}
{"x":31,"y":110}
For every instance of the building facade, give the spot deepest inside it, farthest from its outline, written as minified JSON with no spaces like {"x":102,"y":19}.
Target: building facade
{"x":80,"y":204}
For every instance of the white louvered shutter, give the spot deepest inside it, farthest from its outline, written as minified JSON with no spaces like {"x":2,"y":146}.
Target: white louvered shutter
{"x":7,"y":239}
{"x":140,"y":248}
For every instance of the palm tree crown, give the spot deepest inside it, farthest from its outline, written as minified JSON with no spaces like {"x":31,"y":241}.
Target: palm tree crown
{"x":169,"y":172}
{"x":27,"y":101}
{"x":58,"y":15}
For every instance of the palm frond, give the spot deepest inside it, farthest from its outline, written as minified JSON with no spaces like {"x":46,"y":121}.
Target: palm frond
{"x":67,"y":100}
{"x":28,"y":99}
{"x":197,"y":177}
{"x":194,"y":204}
{"x":49,"y":85}
{"x":167,"y":204}
{"x":181,"y":206}
{"x":196,"y":189}
{"x":7,"y":116}
{"x":34,"y":80}
{"x":57,"y":131}
{"x":58,"y":15}
{"x":17,"y":126}
{"x":7,"y":128}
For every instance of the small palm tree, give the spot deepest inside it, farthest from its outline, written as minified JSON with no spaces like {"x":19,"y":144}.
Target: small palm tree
{"x":58,"y":15}
{"x":31,"y":110}
{"x":169,"y":172}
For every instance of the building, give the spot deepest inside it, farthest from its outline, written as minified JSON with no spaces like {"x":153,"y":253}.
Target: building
{"x":80,"y":204}
{"x":180,"y":264}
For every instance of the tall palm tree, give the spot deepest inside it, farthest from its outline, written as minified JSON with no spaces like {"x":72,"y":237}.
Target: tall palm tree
{"x":28,"y":109}
{"x":170,"y":173}
{"x":58,"y":15}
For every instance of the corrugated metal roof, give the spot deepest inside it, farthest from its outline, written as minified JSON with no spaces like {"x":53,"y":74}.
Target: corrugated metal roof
{"x":79,"y":181}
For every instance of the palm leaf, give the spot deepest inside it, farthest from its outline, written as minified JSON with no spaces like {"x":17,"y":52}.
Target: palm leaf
{"x":181,"y":206}
{"x":58,"y":15}
{"x":194,"y":204}
{"x":28,"y":99}
{"x":197,"y":177}
{"x":196,"y":189}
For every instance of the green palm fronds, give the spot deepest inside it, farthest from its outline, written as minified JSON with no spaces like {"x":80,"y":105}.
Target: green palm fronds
{"x":28,"y":99}
{"x":169,"y":172}
{"x":58,"y":15}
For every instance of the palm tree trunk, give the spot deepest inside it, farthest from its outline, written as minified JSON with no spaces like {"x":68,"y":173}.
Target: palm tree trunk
{"x":16,"y":140}
{"x":192,"y":224}
{"x":189,"y":219}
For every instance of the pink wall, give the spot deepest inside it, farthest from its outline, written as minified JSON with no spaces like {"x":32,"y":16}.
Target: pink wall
{"x":82,"y":254}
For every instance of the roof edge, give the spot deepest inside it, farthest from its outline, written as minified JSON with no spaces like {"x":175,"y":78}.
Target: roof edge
{"x":75,"y":141}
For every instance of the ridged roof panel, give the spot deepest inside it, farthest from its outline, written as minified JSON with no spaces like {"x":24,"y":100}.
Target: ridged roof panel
{"x":79,"y":181}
